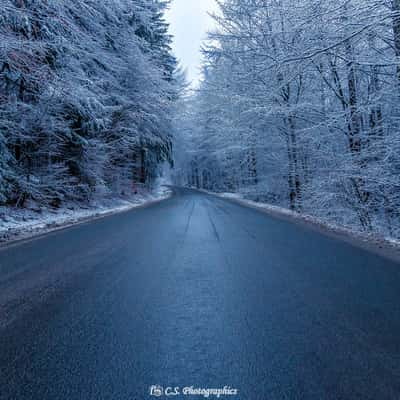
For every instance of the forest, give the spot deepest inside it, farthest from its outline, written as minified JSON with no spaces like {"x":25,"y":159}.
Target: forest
{"x":299,"y":107}
{"x":86,"y":92}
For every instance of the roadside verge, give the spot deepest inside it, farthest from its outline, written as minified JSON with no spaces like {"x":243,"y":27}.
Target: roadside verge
{"x":383,"y":246}
{"x":22,"y":224}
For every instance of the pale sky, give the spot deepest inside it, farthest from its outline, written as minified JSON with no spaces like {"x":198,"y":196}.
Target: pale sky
{"x":189,"y":25}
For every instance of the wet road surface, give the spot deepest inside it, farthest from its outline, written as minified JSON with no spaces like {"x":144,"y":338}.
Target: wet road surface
{"x":197,"y":291}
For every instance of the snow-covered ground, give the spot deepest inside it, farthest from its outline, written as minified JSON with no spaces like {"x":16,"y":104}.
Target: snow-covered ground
{"x":17,"y":223}
{"x":387,"y":246}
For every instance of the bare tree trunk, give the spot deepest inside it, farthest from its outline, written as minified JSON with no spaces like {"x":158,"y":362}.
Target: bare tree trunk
{"x":294,"y":178}
{"x":354,"y":137}
{"x":354,"y":118}
{"x":296,"y":163}
{"x":292,"y":190}
{"x":376,"y":115}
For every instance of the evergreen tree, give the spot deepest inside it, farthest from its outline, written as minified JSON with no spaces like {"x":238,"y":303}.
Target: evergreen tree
{"x":86,"y":89}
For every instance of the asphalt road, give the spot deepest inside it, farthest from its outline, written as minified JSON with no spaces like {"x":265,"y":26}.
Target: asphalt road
{"x":197,"y":291}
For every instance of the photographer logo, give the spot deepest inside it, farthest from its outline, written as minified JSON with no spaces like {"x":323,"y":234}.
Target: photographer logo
{"x":156,"y":391}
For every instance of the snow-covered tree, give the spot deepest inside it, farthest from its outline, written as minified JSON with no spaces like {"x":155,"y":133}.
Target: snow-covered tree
{"x":86,"y":89}
{"x":299,"y":106}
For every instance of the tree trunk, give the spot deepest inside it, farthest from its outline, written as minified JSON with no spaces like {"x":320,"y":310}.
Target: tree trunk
{"x":296,"y":163}
{"x":294,"y":179}
{"x":354,"y":119}
{"x":253,"y":167}
{"x":396,"y":33}
{"x":143,"y":166}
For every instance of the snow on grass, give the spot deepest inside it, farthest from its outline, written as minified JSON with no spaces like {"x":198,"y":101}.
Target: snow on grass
{"x":22,"y":223}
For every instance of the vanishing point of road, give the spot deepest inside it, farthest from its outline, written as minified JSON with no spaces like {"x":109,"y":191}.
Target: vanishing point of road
{"x":197,"y":291}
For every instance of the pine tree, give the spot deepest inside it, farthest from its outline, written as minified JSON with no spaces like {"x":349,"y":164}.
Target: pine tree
{"x":85,"y":89}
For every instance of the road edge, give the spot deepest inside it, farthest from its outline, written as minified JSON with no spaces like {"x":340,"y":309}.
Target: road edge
{"x":24,"y":237}
{"x":387,"y":248}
